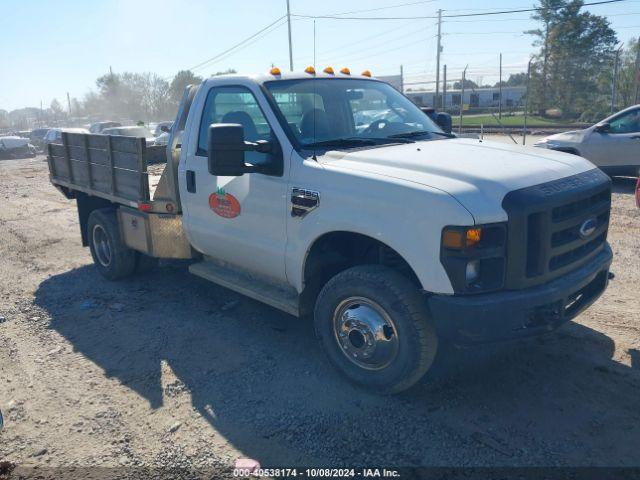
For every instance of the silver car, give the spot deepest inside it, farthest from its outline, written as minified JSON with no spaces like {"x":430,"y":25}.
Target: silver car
{"x":612,"y":144}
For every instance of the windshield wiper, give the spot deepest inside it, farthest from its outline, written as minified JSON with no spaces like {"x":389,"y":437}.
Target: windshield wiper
{"x":342,"y":142}
{"x":420,"y":133}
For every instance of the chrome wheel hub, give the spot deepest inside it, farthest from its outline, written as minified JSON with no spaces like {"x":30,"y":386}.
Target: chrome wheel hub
{"x":365,"y":333}
{"x":101,"y":245}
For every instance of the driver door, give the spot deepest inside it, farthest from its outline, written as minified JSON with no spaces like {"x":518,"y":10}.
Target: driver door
{"x":241,"y":219}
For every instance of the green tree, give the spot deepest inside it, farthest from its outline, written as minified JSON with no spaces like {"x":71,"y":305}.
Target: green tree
{"x":575,"y":49}
{"x":628,"y":74}
{"x":467,"y":84}
{"x":181,"y":80}
{"x":514,"y":80}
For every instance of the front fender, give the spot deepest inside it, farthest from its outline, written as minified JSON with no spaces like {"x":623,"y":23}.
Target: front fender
{"x":405,"y":216}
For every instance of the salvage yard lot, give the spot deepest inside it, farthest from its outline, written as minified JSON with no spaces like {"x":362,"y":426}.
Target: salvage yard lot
{"x":168,"y":370}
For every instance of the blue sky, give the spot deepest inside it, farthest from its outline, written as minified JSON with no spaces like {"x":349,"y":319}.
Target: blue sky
{"x":50,"y":48}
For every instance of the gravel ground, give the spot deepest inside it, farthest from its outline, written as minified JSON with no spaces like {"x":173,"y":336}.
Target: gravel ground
{"x":168,"y":370}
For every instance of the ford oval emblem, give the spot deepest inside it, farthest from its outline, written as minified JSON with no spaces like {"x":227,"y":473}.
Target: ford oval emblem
{"x":588,"y":227}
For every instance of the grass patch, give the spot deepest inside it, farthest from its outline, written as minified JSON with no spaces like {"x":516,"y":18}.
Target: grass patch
{"x":507,"y":120}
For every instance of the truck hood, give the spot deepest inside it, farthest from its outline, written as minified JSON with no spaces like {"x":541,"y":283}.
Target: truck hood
{"x":478,"y":174}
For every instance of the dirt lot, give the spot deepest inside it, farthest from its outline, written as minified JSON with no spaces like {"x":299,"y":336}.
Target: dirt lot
{"x":169,"y":370}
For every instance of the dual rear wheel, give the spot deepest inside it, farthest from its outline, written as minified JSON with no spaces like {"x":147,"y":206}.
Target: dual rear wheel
{"x":113,"y":259}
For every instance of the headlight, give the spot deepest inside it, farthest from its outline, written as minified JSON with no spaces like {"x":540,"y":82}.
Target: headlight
{"x":474,"y":257}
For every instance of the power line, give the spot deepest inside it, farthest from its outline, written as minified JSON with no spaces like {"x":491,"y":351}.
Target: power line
{"x":500,"y":12}
{"x":384,"y":8}
{"x":529,"y":18}
{"x":237,"y":45}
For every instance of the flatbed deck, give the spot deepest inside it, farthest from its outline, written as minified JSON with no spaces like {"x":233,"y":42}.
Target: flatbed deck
{"x":112,"y":167}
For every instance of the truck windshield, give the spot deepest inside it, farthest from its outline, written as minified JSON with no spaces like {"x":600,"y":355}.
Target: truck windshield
{"x":347,"y":113}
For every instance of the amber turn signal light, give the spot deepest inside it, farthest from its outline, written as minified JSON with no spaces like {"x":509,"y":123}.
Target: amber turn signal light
{"x":458,"y":239}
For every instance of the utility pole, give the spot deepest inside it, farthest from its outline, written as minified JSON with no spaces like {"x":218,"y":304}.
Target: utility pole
{"x":69,"y":103}
{"x":444,"y":88}
{"x":500,"y":91}
{"x":290,"y":47}
{"x":526,"y":104}
{"x":464,"y":76}
{"x":435,"y":101}
{"x":614,"y":83}
{"x":637,"y":72}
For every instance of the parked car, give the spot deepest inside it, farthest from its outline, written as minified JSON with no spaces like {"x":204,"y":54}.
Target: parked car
{"x":132,"y":131}
{"x":395,"y":239}
{"x":98,"y":127}
{"x":612,"y":144}
{"x":16,"y":147}
{"x":162,"y":133}
{"x":161,"y":127}
{"x":54,"y":135}
{"x":36,"y":138}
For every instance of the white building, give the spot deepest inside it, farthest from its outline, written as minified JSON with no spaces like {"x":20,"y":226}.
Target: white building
{"x":484,"y":97}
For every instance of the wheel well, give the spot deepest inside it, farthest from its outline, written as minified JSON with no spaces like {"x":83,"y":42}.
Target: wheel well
{"x":86,"y":205}
{"x":334,"y":252}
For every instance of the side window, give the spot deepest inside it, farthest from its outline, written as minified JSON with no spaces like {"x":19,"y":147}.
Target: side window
{"x":627,"y":123}
{"x":234,"y":105}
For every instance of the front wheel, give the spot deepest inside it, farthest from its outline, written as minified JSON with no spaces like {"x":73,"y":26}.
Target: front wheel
{"x":375,"y":328}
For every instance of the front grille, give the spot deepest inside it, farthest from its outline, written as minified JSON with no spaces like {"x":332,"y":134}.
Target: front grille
{"x":556,"y":227}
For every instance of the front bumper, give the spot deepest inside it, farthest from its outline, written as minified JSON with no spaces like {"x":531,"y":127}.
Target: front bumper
{"x":470,"y":319}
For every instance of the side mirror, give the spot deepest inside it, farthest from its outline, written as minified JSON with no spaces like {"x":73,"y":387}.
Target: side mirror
{"x":603,"y":127}
{"x":226,"y":150}
{"x":164,"y":128}
{"x":444,"y":122}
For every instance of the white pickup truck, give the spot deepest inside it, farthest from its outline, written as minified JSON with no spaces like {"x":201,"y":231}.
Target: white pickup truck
{"x":332,"y":196}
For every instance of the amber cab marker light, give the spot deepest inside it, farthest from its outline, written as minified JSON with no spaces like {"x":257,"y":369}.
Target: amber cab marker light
{"x":275,"y":71}
{"x":366,"y":73}
{"x":310,"y":70}
{"x":328,"y":70}
{"x":345,"y":71}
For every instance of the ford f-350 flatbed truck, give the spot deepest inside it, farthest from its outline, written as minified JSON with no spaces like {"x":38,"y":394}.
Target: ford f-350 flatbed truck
{"x":332,"y":196}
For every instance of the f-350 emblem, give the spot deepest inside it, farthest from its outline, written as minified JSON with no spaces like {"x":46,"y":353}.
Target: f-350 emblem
{"x":303,"y":201}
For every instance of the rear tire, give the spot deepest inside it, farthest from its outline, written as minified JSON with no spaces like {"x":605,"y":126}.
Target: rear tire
{"x":374,"y":326}
{"x":113,"y":259}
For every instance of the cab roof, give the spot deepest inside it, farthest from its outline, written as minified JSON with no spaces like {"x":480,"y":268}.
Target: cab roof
{"x":268,"y":77}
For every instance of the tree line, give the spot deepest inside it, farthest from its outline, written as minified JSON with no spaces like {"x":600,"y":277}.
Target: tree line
{"x":127,"y":96}
{"x":572,"y":72}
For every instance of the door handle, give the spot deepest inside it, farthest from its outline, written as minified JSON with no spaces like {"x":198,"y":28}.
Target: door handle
{"x":191,"y":181}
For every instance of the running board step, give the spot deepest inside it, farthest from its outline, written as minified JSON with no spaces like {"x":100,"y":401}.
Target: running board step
{"x":241,"y":282}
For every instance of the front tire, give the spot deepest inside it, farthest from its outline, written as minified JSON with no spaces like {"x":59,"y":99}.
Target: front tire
{"x":113,"y":259}
{"x":374,"y":326}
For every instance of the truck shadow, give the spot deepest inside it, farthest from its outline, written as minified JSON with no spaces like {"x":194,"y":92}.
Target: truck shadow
{"x":258,"y":378}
